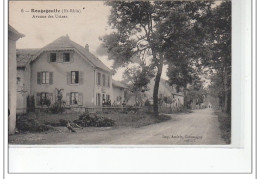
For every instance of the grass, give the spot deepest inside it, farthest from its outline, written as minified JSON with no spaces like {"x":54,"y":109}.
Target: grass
{"x":225,"y":126}
{"x":136,"y":119}
{"x":121,"y":119}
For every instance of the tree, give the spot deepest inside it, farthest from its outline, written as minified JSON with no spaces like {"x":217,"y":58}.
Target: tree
{"x":140,"y":28}
{"x":200,"y":40}
{"x":196,"y":92}
{"x":181,"y":42}
{"x":138,"y":78}
{"x":216,"y":51}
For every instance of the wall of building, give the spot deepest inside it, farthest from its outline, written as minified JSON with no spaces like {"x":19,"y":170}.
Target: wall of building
{"x":21,"y":92}
{"x":23,"y":89}
{"x":12,"y":84}
{"x":60,"y":70}
{"x":179,"y":101}
{"x":100,"y":88}
{"x":117,"y":94}
{"x":163,"y":91}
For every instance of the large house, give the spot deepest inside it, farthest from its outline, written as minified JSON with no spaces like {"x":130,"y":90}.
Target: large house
{"x":66,"y":66}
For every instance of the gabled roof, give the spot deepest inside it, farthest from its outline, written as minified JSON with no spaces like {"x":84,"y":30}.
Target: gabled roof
{"x":118,"y":84}
{"x":15,"y":32}
{"x":23,"y":56}
{"x":64,"y":43}
{"x":171,"y":88}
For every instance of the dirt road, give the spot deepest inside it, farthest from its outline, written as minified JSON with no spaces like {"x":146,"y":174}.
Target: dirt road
{"x":199,"y":127}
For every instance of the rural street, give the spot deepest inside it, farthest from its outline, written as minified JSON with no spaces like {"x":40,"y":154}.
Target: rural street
{"x":199,"y":127}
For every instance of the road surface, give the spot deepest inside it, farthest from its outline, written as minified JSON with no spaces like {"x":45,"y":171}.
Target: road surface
{"x":199,"y":127}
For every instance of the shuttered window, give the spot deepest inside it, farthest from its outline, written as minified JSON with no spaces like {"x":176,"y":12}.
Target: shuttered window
{"x":44,"y":98}
{"x":74,"y":77}
{"x":44,"y":77}
{"x":74,"y":98}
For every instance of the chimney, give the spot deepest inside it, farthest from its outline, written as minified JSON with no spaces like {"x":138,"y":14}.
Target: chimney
{"x":87,"y":47}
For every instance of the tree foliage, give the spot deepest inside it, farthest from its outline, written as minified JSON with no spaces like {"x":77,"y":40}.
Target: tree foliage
{"x":185,"y":35}
{"x":150,"y":29}
{"x":217,"y":51}
{"x":138,"y":78}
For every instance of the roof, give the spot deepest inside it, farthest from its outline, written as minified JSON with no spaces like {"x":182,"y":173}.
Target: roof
{"x":171,"y":88}
{"x":23,"y":56}
{"x":118,"y":84}
{"x":15,"y":32}
{"x":64,"y":43}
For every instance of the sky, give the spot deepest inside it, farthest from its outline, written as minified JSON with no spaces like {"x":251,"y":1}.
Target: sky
{"x":86,"y":21}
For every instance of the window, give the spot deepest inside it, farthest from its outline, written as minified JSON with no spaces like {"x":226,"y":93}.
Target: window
{"x":45,"y":77}
{"x":74,"y":98}
{"x":66,"y":57}
{"x":74,"y":77}
{"x":104,"y":79}
{"x":107,"y":97}
{"x":99,"y":79}
{"x":98,"y":99}
{"x":52,"y":57}
{"x":108,"y":81}
{"x":118,"y":98}
{"x":44,"y":98}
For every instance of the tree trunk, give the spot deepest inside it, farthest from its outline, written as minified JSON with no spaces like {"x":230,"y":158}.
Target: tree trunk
{"x":156,"y":88}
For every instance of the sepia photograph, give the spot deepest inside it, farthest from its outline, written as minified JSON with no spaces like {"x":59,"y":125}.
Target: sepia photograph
{"x":119,"y":73}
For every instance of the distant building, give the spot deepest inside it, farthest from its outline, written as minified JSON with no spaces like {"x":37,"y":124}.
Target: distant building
{"x":119,"y":90}
{"x":165,"y":91}
{"x":13,"y":36}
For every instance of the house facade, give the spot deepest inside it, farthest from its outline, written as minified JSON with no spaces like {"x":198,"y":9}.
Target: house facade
{"x":119,"y":90}
{"x":65,"y":66}
{"x":166,"y":91}
{"x":13,"y":36}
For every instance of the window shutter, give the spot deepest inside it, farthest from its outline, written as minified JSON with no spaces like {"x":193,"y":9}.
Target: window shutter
{"x":48,"y":57}
{"x":50,"y":78}
{"x":71,"y":57}
{"x":68,"y":99}
{"x":38,"y":99}
{"x":97,"y":78}
{"x":59,"y":57}
{"x":81,"y":74}
{"x":108,"y":81}
{"x":80,"y":101}
{"x":39,"y":78}
{"x":68,"y":78}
